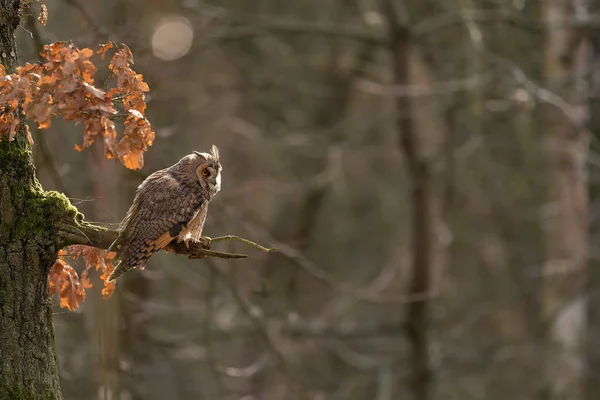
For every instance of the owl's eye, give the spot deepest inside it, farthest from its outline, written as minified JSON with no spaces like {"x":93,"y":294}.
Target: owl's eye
{"x":205,"y":172}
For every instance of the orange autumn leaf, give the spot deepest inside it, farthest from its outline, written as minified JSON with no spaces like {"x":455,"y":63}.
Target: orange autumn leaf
{"x":108,"y":290}
{"x":62,"y":277}
{"x":104,"y":48}
{"x":40,"y":110}
{"x":93,"y":91}
{"x":133,"y":159}
{"x":109,"y":287}
{"x":121,"y":60}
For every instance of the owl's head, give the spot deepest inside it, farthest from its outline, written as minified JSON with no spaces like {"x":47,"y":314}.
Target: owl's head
{"x":200,"y":169}
{"x":207,"y":169}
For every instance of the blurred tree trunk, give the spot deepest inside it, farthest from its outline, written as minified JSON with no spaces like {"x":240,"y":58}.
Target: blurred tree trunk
{"x":105,"y":315}
{"x":135,"y":348}
{"x":592,"y":382}
{"x":296,"y":222}
{"x":136,"y":345}
{"x":28,"y":367}
{"x":567,"y":218}
{"x":418,"y":310}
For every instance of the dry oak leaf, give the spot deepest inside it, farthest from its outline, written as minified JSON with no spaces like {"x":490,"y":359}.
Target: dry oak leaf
{"x":64,"y":279}
{"x":104,"y":48}
{"x":97,"y":259}
{"x":71,"y":287}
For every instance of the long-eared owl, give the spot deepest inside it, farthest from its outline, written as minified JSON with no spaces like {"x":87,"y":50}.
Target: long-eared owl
{"x":170,"y":204}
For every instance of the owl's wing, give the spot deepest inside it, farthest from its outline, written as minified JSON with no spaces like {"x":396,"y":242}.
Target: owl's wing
{"x":161,"y":209}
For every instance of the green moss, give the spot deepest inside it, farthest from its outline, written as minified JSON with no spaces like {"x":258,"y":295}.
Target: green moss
{"x":42,"y":211}
{"x":14,"y":154}
{"x":58,"y":203}
{"x":37,"y":211}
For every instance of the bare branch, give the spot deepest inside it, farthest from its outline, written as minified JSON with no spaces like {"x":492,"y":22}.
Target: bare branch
{"x":340,"y":285}
{"x":239,"y":239}
{"x":92,"y":234}
{"x":265,"y":26}
{"x":89,"y":234}
{"x":418,"y":312}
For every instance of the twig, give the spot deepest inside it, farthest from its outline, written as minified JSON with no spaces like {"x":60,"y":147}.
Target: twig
{"x":261,"y":28}
{"x":196,"y":253}
{"x":339,"y":284}
{"x":264,"y":26}
{"x":240,"y":239}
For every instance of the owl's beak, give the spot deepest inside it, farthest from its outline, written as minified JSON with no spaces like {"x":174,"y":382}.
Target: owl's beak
{"x":217,"y":182}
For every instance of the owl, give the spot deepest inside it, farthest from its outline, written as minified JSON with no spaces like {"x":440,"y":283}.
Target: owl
{"x":170,"y":204}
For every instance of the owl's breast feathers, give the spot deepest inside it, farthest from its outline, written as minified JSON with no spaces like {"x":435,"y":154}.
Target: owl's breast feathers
{"x":163,"y":210}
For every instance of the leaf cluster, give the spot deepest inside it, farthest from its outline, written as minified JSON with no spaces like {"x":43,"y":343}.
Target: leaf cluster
{"x":63,"y":278}
{"x":63,"y":86}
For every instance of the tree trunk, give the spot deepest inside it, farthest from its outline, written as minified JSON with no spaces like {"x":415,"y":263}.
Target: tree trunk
{"x":28,"y":248}
{"x":28,"y":367}
{"x":567,"y":221}
{"x":592,"y":349}
{"x":418,"y":311}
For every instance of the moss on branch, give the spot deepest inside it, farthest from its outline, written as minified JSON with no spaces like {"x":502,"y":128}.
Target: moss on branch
{"x":43,"y":210}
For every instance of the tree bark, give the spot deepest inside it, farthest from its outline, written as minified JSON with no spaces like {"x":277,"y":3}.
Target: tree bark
{"x":28,"y":368}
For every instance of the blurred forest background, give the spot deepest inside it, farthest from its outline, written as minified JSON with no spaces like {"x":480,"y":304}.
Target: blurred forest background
{"x":427,"y":170}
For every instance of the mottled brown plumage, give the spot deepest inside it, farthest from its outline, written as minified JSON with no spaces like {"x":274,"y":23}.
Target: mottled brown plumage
{"x":170,"y":204}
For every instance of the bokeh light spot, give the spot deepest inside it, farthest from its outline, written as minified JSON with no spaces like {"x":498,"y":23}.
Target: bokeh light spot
{"x":172,"y":38}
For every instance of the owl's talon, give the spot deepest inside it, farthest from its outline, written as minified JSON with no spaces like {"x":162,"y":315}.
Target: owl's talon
{"x":206,"y":242}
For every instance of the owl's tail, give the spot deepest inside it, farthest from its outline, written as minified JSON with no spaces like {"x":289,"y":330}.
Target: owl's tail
{"x":117,"y":261}
{"x":125,"y":266}
{"x":118,"y":271}
{"x":133,"y":256}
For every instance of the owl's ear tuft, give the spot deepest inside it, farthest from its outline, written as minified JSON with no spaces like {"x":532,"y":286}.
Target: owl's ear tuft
{"x":215,"y":153}
{"x":198,"y":153}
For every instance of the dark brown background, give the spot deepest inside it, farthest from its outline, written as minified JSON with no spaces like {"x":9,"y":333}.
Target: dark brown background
{"x":299,"y":97}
